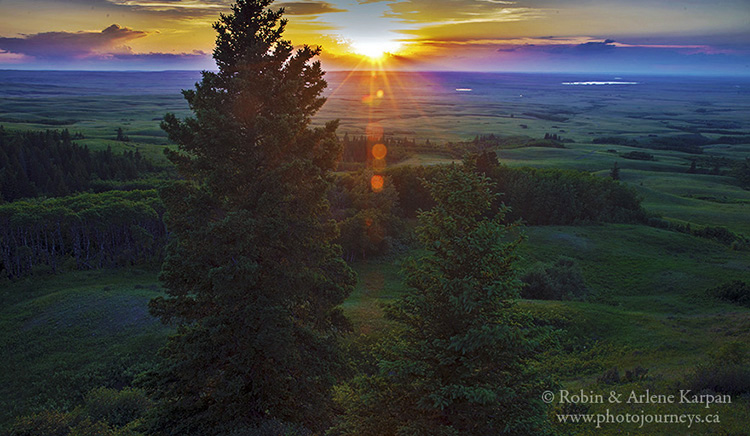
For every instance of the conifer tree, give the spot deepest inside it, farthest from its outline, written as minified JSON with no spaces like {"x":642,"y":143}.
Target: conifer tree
{"x":252,"y":279}
{"x":614,"y":173}
{"x":461,"y":363}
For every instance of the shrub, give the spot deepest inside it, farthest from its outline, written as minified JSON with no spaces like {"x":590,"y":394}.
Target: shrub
{"x":271,"y":427}
{"x":45,"y":423}
{"x":727,"y":372}
{"x":117,"y":408}
{"x":638,"y":155}
{"x":733,"y":379}
{"x":87,"y":427}
{"x":610,"y":377}
{"x":637,"y":374}
{"x":562,"y":280}
{"x":737,"y":292}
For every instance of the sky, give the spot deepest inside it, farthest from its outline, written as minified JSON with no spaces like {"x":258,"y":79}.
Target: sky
{"x":701,"y":37}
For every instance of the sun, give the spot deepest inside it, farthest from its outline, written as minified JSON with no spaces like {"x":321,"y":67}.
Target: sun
{"x":375,"y":50}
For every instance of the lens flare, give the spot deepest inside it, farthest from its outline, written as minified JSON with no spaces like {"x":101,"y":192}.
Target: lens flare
{"x":377,"y":182}
{"x":379,"y":151}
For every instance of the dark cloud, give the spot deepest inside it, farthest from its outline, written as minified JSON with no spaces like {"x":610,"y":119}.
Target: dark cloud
{"x":163,"y":57}
{"x":62,"y":45}
{"x":583,"y":49}
{"x":197,"y":60}
{"x":309,"y":8}
{"x":596,"y":46}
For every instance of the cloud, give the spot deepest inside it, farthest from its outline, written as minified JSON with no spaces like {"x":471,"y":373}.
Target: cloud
{"x":62,"y":45}
{"x":459,"y":11}
{"x":596,"y":46}
{"x":169,"y":58}
{"x":309,"y":8}
{"x":170,"y":5}
{"x":577,"y":54}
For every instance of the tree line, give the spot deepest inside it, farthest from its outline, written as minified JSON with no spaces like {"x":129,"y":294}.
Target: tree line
{"x":82,"y":231}
{"x":49,"y":163}
{"x":537,"y":196}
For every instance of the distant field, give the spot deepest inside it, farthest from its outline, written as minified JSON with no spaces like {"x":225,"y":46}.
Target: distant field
{"x":426,"y":106}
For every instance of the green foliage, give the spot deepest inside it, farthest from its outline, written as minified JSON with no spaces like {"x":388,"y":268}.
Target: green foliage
{"x":117,"y":408}
{"x":67,"y":334}
{"x":359,"y":149}
{"x":614,"y":173}
{"x":562,"y":280}
{"x":105,"y":412}
{"x":538,"y":196}
{"x":552,"y":196}
{"x":727,"y":372}
{"x":121,"y":136}
{"x":461,"y":362}
{"x":690,"y":143}
{"x":114,"y":228}
{"x":271,"y":427}
{"x":49,"y":163}
{"x":369,"y":220}
{"x":45,"y":423}
{"x":409,"y":188}
{"x":638,"y":155}
{"x":741,"y":171}
{"x":736,"y":291}
{"x":719,"y":234}
{"x":252,"y":277}
{"x":87,"y":427}
{"x":612,"y":376}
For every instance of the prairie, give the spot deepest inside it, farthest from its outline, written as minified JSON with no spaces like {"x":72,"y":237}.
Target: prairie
{"x":648,"y":302}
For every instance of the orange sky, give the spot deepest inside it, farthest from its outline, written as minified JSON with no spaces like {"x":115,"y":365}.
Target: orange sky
{"x":487,"y":35}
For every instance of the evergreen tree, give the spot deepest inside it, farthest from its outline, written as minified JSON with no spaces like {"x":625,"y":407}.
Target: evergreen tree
{"x":614,"y":173}
{"x":121,"y":136}
{"x":252,"y":278}
{"x":461,"y":363}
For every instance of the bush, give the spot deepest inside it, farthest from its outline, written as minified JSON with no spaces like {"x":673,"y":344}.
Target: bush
{"x":727,"y":373}
{"x":720,"y":377}
{"x":118,"y":408}
{"x":87,"y":427}
{"x":737,"y":292}
{"x":45,"y":423}
{"x":271,"y":427}
{"x":610,"y":377}
{"x":562,"y":280}
{"x":638,"y":155}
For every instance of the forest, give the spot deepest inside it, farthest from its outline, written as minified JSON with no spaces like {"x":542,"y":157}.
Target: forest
{"x":50,"y":164}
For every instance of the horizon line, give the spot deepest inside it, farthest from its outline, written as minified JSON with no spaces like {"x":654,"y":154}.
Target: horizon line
{"x":614,"y":73}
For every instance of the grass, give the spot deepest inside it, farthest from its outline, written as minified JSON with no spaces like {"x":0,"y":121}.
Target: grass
{"x":647,"y":308}
{"x":64,"y":335}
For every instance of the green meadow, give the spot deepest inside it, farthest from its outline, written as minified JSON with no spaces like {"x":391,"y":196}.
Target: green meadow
{"x":648,"y":303}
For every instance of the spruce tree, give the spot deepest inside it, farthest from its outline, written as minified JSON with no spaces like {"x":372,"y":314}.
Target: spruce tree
{"x":462,"y":360}
{"x":614,"y":173}
{"x":252,"y":278}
